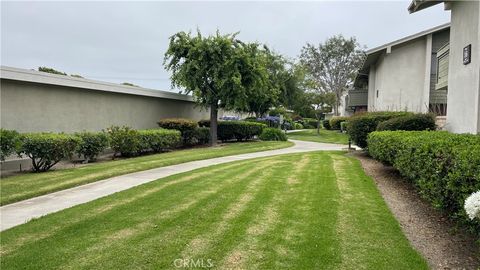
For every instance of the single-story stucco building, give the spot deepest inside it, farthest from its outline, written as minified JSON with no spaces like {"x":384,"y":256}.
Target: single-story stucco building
{"x":436,"y":70}
{"x":33,"y":101}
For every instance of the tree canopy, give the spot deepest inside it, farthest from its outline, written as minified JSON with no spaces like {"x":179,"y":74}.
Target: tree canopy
{"x":333,"y":65}
{"x":220,"y":71}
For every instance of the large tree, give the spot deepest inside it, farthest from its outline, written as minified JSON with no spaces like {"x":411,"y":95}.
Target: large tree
{"x":262,"y":99}
{"x":219,"y":70}
{"x":333,"y":65}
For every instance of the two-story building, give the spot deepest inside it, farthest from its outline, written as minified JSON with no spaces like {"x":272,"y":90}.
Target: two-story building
{"x":436,"y":70}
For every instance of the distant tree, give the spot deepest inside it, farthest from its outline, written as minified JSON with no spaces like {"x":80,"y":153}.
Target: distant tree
{"x":51,"y":70}
{"x":129,"y":84}
{"x":76,"y":76}
{"x":219,"y":70}
{"x":333,"y":65}
{"x":293,"y":92}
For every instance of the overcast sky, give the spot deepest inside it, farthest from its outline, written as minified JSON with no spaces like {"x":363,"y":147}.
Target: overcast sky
{"x":126,"y":41}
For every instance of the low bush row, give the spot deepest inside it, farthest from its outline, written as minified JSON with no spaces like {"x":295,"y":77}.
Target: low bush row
{"x":444,"y":167}
{"x":359,"y":126}
{"x":409,"y":122}
{"x":47,"y":149}
{"x":236,"y":130}
{"x":130,"y":142}
{"x":191,"y":133}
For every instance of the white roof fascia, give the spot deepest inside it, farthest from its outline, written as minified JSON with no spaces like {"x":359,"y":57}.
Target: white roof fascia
{"x":33,"y":76}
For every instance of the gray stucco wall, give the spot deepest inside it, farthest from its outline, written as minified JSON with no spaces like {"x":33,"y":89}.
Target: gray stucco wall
{"x":400,"y":79}
{"x":463,"y":111}
{"x":34,"y":107}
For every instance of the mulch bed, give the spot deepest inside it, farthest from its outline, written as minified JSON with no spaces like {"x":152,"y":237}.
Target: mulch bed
{"x":442,"y":243}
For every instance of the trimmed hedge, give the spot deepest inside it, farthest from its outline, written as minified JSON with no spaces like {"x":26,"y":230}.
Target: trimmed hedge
{"x":326,"y":124}
{"x":185,"y":126}
{"x":177,"y":123}
{"x":47,"y":149}
{"x":310,"y":123}
{"x":159,"y":140}
{"x":336,"y":121}
{"x":361,"y":125}
{"x":272,"y":134}
{"x":418,"y":121}
{"x":130,"y":142}
{"x":9,"y":142}
{"x":236,"y":130}
{"x":444,"y":167}
{"x":197,"y":136}
{"x":91,"y":144}
{"x":124,"y":140}
{"x":297,"y":125}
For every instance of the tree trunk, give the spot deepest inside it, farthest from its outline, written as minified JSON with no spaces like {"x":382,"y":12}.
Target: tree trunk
{"x":335,"y":108}
{"x":213,"y":123}
{"x":318,"y":123}
{"x":338,"y":101}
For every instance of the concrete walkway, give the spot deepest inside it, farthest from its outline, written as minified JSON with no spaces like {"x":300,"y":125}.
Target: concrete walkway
{"x":21,"y":212}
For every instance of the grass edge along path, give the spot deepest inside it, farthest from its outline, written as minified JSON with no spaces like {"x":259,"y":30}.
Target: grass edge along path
{"x":325,"y":136}
{"x":29,"y":185}
{"x":310,"y":210}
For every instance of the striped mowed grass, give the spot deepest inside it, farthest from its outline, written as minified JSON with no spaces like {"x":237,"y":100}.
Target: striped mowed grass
{"x":303,"y":211}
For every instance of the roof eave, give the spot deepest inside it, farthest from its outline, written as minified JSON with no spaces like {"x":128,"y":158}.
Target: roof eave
{"x":417,"y":5}
{"x":17,"y":74}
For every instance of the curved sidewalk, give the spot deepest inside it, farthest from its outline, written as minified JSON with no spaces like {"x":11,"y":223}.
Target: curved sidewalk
{"x":21,"y":212}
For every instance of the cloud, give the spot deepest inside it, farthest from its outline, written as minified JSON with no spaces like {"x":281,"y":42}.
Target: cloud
{"x":125,"y":41}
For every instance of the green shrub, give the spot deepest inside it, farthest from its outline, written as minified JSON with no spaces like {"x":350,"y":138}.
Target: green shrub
{"x":197,"y":136}
{"x":361,"y":125}
{"x":202,"y":135}
{"x":343,"y":126}
{"x":236,"y":130}
{"x":159,"y":140}
{"x":91,"y":144}
{"x":9,"y":142}
{"x":205,"y":123}
{"x":444,"y":167}
{"x":124,"y":140}
{"x":336,"y":121}
{"x":309,"y":123}
{"x":326,"y":124}
{"x":177,"y":123}
{"x":409,"y":122}
{"x":297,"y":125}
{"x":272,"y":134}
{"x":47,"y":149}
{"x":185,"y":126}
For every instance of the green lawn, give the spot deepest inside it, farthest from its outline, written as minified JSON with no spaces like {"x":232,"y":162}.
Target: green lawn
{"x":325,"y":136}
{"x":303,"y":211}
{"x":30,"y":185}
